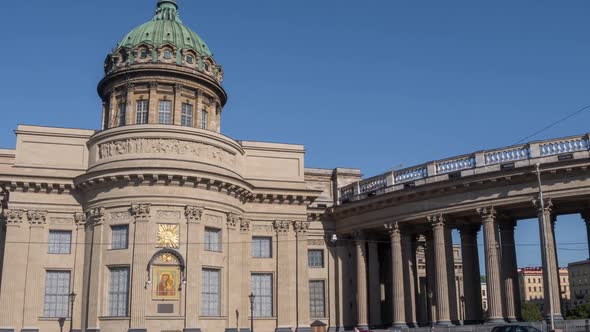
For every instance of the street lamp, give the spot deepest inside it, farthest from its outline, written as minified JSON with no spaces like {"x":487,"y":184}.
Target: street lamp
{"x":462,"y":298}
{"x":72,"y":297}
{"x":252,"y":297}
{"x":61,"y":322}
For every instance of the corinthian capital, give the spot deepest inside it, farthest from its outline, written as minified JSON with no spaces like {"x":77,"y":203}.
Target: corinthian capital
{"x":281,"y":226}
{"x":392,"y":229}
{"x":245,"y":225}
{"x":487,"y":214}
{"x":301,"y":226}
{"x":546,"y":206}
{"x":80,"y":218}
{"x":193,"y":213}
{"x":437,"y":220}
{"x":13,"y":216}
{"x":37,"y":217}
{"x":233,"y":220}
{"x":97,"y":214}
{"x":141,"y":211}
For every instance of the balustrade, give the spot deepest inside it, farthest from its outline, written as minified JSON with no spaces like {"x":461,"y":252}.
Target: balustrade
{"x":454,"y":165}
{"x":363,"y":189}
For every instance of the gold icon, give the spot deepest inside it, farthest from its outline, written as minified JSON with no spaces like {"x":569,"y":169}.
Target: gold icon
{"x":168,"y":236}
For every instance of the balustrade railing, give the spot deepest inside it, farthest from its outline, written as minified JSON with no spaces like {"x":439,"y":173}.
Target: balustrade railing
{"x":507,"y":155}
{"x":411,"y":174}
{"x":455,"y":165}
{"x":555,"y":147}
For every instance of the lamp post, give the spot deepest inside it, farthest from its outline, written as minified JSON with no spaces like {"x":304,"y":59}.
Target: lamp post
{"x":72,"y":300}
{"x":61,"y":322}
{"x":462,"y":298}
{"x":252,"y":297}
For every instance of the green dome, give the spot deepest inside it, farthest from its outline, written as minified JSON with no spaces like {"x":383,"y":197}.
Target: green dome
{"x":165,"y":28}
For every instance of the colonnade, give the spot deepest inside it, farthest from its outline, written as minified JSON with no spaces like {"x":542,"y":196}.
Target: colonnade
{"x":442,"y":305}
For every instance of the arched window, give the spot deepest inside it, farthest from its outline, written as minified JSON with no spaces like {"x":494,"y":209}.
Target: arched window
{"x":166,"y":274}
{"x":167,"y":54}
{"x":190,"y":59}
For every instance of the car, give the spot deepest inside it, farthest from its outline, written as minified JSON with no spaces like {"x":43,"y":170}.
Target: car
{"x":515,"y":328}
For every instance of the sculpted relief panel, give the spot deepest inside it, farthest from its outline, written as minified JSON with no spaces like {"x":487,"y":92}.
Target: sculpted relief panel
{"x":194,"y":150}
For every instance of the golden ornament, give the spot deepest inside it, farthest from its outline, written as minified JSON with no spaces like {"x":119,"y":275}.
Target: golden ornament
{"x":167,"y":236}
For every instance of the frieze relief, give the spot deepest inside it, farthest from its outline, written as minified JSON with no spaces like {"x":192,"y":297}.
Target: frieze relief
{"x":61,"y":221}
{"x":121,"y":215}
{"x":168,"y":214}
{"x":210,"y":218}
{"x":315,"y":242}
{"x":262,"y":228}
{"x":167,"y":146}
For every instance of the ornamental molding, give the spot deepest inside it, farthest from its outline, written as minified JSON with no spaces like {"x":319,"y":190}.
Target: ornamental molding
{"x":37,"y":217}
{"x":316,"y":242}
{"x":141,"y":212}
{"x":98,"y":214}
{"x":392,"y":229}
{"x":190,"y":149}
{"x":162,"y":214}
{"x":193,"y":213}
{"x":282,"y":226}
{"x":213,"y":219}
{"x":61,"y":221}
{"x":125,"y":215}
{"x":40,"y":187}
{"x":301,"y":227}
{"x":79,"y":218}
{"x":547,"y":205}
{"x":262,"y":228}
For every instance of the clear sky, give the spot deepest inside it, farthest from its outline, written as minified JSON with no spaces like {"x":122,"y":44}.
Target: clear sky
{"x":366,"y":84}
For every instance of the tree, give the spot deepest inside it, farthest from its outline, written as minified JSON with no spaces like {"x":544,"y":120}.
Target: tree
{"x":531,"y":312}
{"x":580,"y":312}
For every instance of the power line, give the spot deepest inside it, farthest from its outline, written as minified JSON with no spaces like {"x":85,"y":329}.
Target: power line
{"x":554,"y":124}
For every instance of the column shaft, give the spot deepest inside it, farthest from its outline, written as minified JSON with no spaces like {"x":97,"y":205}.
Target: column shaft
{"x":303,"y":320}
{"x":410,"y":273}
{"x":139,"y":293}
{"x":399,"y":313}
{"x":194,"y":232}
{"x":493,"y":270}
{"x":586,"y":217}
{"x":549,"y":261}
{"x":471,"y":274}
{"x":374,"y":285}
{"x":361,"y":279}
{"x":451,"y":277}
{"x":430,"y":296}
{"x":509,"y":270}
{"x":440,"y":266}
{"x":286,"y":269}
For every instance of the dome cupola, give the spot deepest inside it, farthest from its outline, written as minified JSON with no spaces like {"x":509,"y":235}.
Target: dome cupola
{"x":162,"y":72}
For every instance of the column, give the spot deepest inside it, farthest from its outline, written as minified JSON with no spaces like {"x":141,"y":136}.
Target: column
{"x":340,"y":251}
{"x":361,"y":280}
{"x":451,"y":278}
{"x":177,"y":107}
{"x":430,"y":294}
{"x":510,"y":270}
{"x":422,"y":303}
{"x":549,"y":260}
{"x":139,"y":276}
{"x":303,"y":320}
{"x":471,"y":274}
{"x":410,"y":275}
{"x":374,"y":286}
{"x":586,"y":217}
{"x":192,"y":290}
{"x":78,"y":274}
{"x":153,"y":103}
{"x":246,"y":254}
{"x":397,"y":268}
{"x":443,"y":317}
{"x":234,"y":273}
{"x":493,"y":271}
{"x":286,"y":263}
{"x":198,"y":114}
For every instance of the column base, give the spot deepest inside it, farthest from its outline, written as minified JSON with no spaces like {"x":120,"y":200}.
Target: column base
{"x":194,"y":329}
{"x":495,"y":321}
{"x":284,"y":329}
{"x":443,"y":323}
{"x":137,"y":330}
{"x":303,"y":329}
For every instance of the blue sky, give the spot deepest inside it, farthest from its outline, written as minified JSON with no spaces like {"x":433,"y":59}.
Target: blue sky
{"x":367,"y":84}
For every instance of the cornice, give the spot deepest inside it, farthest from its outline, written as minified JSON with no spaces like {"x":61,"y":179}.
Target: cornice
{"x":38,"y":186}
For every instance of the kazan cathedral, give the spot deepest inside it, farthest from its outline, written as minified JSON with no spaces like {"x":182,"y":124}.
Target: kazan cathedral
{"x":157,"y":222}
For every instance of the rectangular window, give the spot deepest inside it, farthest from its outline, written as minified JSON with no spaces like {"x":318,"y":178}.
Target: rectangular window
{"x":317,"y":299}
{"x":120,"y":237}
{"x":165,"y":112}
{"x":261,"y":247}
{"x":122,"y":114}
{"x":262,"y":290}
{"x":142,"y":111}
{"x":186,"y":118}
{"x":315,"y":258}
{"x":210,"y":296}
{"x":57,"y":291}
{"x":119,"y":291}
{"x":205,"y":119}
{"x":212,"y":239}
{"x":60,"y":242}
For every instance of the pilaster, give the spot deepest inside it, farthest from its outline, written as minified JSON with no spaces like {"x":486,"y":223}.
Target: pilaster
{"x":93,"y":273}
{"x":246,"y":254}
{"x":139,"y":293}
{"x":37,"y":221}
{"x":234,"y":271}
{"x":303,"y":321}
{"x":443,"y":317}
{"x":192,"y":291}
{"x":153,"y":103}
{"x":493,"y":270}
{"x":177,"y":110}
{"x":78,"y":273}
{"x":398,"y":296}
{"x":286,"y":289}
